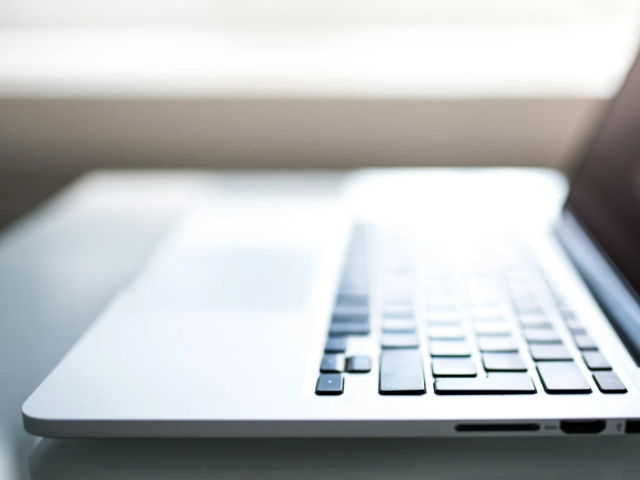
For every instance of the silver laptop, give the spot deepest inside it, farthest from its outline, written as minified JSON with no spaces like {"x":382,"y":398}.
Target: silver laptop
{"x":408,"y":303}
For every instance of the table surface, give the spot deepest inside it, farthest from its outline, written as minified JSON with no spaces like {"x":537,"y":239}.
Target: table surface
{"x":61,"y":265}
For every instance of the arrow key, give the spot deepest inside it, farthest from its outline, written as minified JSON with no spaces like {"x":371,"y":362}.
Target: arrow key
{"x":330,"y":384}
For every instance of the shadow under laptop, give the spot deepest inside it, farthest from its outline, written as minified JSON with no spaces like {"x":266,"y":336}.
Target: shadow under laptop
{"x":371,"y":459}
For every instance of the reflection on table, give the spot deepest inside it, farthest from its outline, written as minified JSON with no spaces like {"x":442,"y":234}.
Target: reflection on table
{"x":576,"y":458}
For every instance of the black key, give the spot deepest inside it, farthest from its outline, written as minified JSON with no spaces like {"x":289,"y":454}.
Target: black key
{"x":332,"y":363}
{"x":399,"y":340}
{"x":453,"y":367}
{"x":330,"y":384}
{"x":358,"y":364}
{"x":345,"y":299}
{"x":449,"y":348}
{"x":503,"y":362}
{"x":497,"y":344}
{"x":401,"y":373}
{"x":446,"y":333}
{"x":397,"y":311}
{"x":351,"y":311}
{"x":534,"y":321}
{"x":595,"y":360}
{"x":609,"y":382}
{"x":351,"y":288}
{"x":336,"y":345}
{"x":397,"y":325}
{"x":585,"y":342}
{"x":353,"y":318}
{"x":493,"y":384}
{"x":542,"y":335}
{"x":361,"y":328}
{"x":542,"y":352}
{"x":562,"y":377}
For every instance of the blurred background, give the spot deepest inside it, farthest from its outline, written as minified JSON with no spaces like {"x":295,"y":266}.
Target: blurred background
{"x":283,"y":84}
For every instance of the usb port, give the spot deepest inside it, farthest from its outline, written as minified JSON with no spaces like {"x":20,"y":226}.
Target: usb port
{"x":582,"y":426}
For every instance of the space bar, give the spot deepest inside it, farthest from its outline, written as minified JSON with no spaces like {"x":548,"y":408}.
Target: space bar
{"x":493,"y":384}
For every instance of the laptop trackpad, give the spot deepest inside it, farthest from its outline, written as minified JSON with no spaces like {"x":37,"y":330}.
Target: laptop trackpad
{"x":232,"y":278}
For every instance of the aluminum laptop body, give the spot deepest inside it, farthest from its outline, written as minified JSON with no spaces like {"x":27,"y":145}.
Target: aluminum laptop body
{"x":408,"y":303}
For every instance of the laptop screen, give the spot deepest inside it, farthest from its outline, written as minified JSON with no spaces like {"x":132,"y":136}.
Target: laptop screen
{"x":605,"y":193}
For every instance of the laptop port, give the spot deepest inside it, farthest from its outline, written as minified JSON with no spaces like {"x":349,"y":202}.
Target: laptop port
{"x":633,"y":426}
{"x":582,"y":426}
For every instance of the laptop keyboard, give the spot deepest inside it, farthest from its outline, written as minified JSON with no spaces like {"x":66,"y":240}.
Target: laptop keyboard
{"x":481,"y":318}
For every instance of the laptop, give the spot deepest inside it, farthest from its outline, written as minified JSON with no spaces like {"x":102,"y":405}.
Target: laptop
{"x":407,"y":303}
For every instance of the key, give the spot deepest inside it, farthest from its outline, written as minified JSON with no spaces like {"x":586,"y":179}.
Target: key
{"x":562,"y":377}
{"x":497,"y":344}
{"x":453,"y":367}
{"x":567,"y":313}
{"x":397,"y":300}
{"x":534,"y":321}
{"x":527,"y":306}
{"x":542,"y":352}
{"x":330,"y":384}
{"x":358,"y":364}
{"x":361,"y":328}
{"x":399,"y":340}
{"x":595,"y":360}
{"x":493,"y":384}
{"x":354,"y":289}
{"x":449,"y":348}
{"x":446,"y":333}
{"x":336,"y":345}
{"x":353,"y":318}
{"x":542,"y":335}
{"x":491,"y":329}
{"x":401,"y":373}
{"x":345,"y":299}
{"x":391,"y":311}
{"x":351,"y":311}
{"x":585,"y":342}
{"x":575,"y":327}
{"x":395,"y":325}
{"x":332,"y":363}
{"x":609,"y":382}
{"x":503,"y":362}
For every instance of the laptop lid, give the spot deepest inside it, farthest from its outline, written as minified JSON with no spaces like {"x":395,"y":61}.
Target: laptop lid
{"x":600,"y":226}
